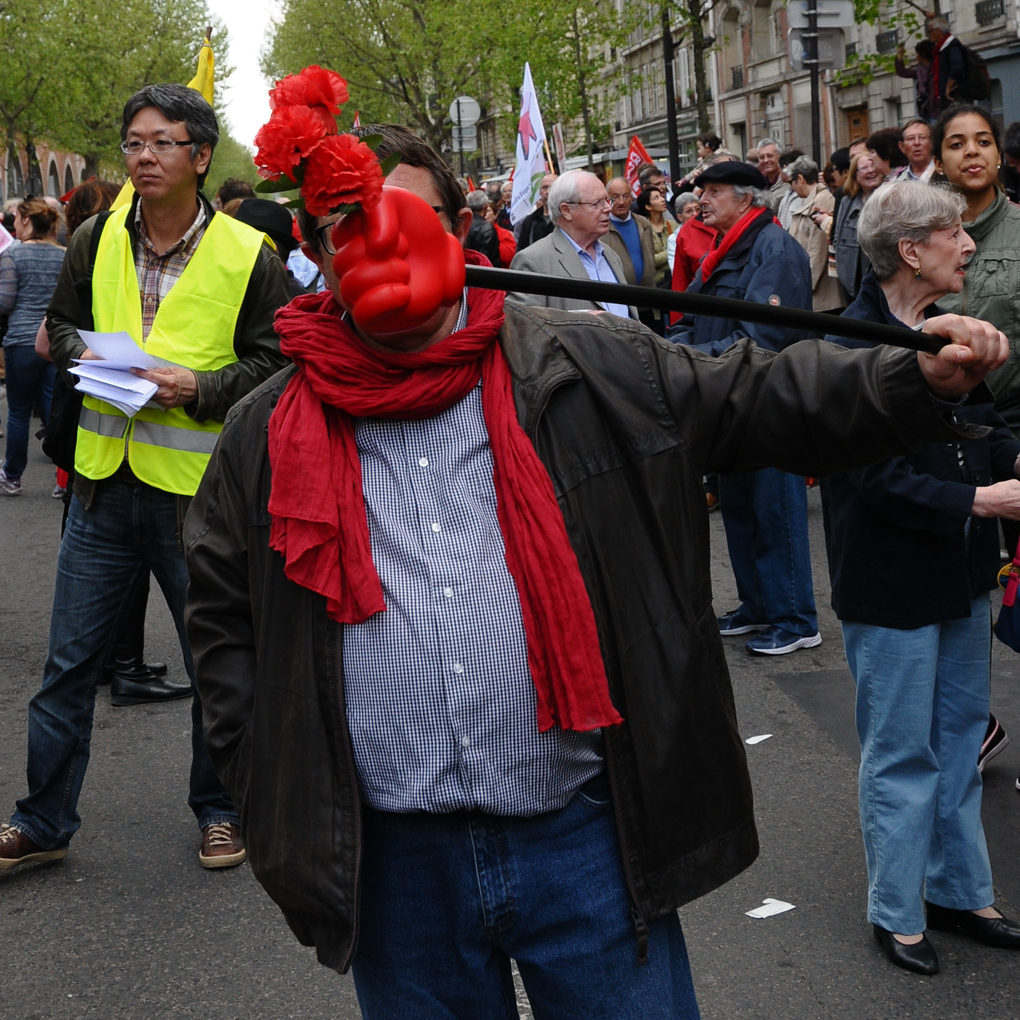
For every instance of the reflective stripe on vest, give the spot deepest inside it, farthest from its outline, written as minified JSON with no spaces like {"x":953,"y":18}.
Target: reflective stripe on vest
{"x":109,"y":425}
{"x":194,"y":327}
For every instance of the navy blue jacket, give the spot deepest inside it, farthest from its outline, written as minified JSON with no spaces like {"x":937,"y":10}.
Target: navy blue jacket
{"x":773,"y":269}
{"x":903,"y":549}
{"x":952,"y":64}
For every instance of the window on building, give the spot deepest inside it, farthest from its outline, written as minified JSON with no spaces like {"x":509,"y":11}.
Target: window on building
{"x":732,"y":48}
{"x":15,"y":177}
{"x":68,"y":178}
{"x":53,"y":184}
{"x":762,"y":30}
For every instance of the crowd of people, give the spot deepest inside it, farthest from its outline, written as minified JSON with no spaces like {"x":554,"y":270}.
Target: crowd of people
{"x":441,"y":580}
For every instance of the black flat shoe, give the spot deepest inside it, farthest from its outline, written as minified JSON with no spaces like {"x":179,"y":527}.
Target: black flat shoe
{"x":137,"y":672}
{"x":990,"y":931}
{"x":920,"y":958}
{"x":130,"y":692}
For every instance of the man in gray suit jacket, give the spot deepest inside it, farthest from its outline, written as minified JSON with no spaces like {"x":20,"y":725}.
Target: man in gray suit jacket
{"x":579,"y":207}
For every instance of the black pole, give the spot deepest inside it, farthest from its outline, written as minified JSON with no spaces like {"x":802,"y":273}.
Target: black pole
{"x":815,"y":324}
{"x":671,"y":132}
{"x":812,"y":61}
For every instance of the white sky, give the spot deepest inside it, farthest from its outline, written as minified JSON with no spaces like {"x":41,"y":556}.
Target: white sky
{"x":246,"y":92}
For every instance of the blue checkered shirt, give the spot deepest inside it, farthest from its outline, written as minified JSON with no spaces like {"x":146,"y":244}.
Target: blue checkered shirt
{"x":440,"y":701}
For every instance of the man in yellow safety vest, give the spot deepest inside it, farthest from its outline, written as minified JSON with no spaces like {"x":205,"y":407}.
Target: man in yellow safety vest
{"x":199,"y":290}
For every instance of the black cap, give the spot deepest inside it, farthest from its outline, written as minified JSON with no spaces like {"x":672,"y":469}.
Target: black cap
{"x":742,"y":174}
{"x":272,"y":219}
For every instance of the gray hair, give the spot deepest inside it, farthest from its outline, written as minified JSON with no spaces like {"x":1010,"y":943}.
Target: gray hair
{"x":940,"y":22}
{"x":759,"y":198}
{"x":768,"y":141}
{"x":685,"y":198}
{"x":803,"y":166}
{"x":904,"y":210}
{"x":566,"y":188}
{"x":477,"y":201}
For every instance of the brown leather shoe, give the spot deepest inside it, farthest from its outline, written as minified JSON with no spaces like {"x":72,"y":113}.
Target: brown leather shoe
{"x":222,"y":846}
{"x":17,"y":850}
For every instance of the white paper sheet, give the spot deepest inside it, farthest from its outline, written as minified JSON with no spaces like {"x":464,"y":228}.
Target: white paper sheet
{"x":125,"y":391}
{"x":6,"y":240}
{"x":758,"y":739}
{"x":118,"y":350}
{"x":769,"y":907}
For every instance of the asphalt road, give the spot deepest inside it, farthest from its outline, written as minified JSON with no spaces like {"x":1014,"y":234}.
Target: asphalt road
{"x":130,"y":926}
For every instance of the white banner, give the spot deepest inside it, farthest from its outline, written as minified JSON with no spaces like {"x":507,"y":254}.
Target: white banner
{"x":530,"y":168}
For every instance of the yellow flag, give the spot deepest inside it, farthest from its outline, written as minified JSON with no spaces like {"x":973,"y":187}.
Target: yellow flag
{"x":202,"y":82}
{"x":204,"y":77}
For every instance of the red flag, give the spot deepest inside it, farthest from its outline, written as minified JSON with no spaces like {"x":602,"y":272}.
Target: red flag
{"x":636,"y":155}
{"x":471,"y":184}
{"x":357,"y":120}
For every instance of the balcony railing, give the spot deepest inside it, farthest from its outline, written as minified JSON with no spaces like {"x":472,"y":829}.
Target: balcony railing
{"x":886,"y":42}
{"x":738,"y":76}
{"x":988,"y":12}
{"x":851,"y":50}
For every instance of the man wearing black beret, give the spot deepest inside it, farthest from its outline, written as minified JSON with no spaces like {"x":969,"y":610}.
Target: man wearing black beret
{"x":765,"y":512}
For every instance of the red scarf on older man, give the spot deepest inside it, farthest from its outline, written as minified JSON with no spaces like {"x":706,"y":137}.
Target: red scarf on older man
{"x":320,"y":525}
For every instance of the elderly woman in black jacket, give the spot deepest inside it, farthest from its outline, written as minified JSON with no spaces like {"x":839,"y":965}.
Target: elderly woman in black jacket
{"x":913,"y":553}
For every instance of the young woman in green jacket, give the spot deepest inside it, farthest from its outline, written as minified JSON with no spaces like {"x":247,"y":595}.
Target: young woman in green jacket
{"x":968,"y":152}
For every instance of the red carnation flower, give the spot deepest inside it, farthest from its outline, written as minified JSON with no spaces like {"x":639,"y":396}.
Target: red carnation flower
{"x":315,"y":87}
{"x":288,"y":137}
{"x":341,"y":170}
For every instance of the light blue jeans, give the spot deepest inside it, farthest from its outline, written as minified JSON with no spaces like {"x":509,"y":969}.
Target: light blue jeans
{"x":922,"y":711}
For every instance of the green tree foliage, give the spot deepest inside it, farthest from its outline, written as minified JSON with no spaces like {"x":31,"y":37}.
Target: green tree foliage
{"x":903,"y":16}
{"x":231,"y":159}
{"x":407,"y":60}
{"x":70,"y":65}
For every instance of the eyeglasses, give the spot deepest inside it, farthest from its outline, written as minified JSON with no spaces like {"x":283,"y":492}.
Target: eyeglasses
{"x":324,"y":238}
{"x":600,"y":204}
{"x":324,"y":234}
{"x":161,"y":146}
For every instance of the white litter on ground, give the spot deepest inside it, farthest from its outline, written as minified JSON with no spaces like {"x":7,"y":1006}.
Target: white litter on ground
{"x":769,"y":907}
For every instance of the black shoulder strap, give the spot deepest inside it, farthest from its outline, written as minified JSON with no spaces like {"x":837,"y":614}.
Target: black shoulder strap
{"x":83,"y":287}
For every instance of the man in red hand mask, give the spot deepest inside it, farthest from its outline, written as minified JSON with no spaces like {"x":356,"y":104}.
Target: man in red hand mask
{"x":451,"y":615}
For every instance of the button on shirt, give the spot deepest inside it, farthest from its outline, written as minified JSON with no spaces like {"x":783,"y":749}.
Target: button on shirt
{"x":440,"y":701}
{"x":598,"y":268}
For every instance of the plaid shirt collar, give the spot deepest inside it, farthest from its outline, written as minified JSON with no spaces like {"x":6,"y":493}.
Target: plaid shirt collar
{"x":157,"y":273}
{"x":175,"y":249}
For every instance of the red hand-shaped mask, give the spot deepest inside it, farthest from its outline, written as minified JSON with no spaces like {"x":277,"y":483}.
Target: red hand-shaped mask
{"x":396,"y":265}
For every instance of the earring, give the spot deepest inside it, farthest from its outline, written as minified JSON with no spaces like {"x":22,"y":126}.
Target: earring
{"x":917,"y":273}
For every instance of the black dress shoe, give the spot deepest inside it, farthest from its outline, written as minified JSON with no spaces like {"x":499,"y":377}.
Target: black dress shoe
{"x":138,"y":672}
{"x":124,"y":691}
{"x":992,"y":931}
{"x":920,"y":957}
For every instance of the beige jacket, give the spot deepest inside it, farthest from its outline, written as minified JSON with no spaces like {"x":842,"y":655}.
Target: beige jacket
{"x":826,"y":290}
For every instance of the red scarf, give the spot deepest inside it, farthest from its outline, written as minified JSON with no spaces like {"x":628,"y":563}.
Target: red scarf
{"x":730,"y":238}
{"x":320,"y":525}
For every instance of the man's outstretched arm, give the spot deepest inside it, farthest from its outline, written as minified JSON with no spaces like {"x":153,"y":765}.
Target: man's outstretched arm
{"x":815,"y":408}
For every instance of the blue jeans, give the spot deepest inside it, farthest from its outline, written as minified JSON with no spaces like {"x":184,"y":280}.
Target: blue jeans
{"x":29,"y":378}
{"x":448,"y":900}
{"x":922,"y":710}
{"x":129,"y":530}
{"x":765,"y":516}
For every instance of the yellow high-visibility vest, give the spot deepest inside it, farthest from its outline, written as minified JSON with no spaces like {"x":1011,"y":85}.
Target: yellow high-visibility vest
{"x":194,"y":327}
